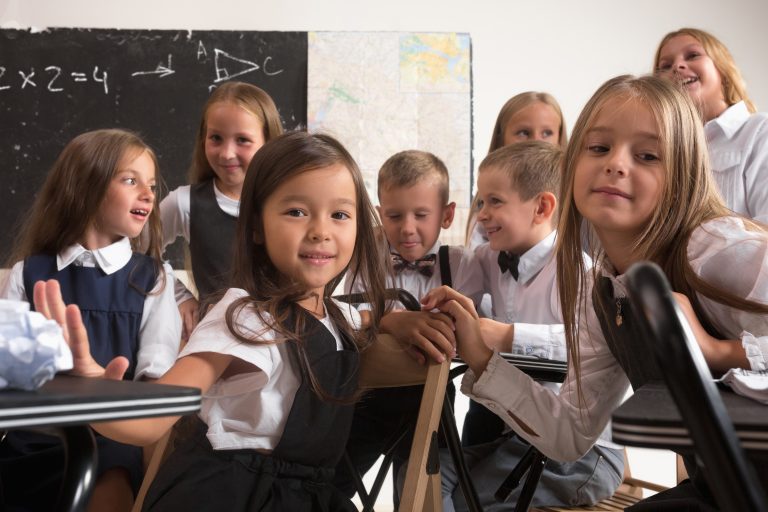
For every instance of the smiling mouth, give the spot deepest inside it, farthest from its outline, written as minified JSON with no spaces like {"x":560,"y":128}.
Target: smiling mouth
{"x":491,"y":231}
{"x":612,"y":192}
{"x":689,"y":81}
{"x":140,"y":212}
{"x":316,"y":257}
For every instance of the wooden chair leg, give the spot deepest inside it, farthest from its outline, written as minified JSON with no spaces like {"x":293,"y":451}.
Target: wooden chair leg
{"x":417,"y":479}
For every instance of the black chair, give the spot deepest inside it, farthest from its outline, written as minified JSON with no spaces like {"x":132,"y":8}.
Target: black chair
{"x":729,"y":474}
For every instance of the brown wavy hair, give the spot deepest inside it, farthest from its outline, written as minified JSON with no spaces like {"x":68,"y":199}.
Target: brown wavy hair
{"x":74,"y":190}
{"x":269,"y":296}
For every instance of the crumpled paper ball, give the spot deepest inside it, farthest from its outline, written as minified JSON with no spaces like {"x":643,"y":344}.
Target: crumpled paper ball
{"x":32,"y":348}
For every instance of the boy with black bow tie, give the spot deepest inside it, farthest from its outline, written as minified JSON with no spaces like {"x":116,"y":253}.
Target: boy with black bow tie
{"x":518,"y":187}
{"x":414,"y":207}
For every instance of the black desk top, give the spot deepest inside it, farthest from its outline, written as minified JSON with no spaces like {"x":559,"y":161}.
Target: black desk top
{"x":67,"y":400}
{"x":650,"y":419}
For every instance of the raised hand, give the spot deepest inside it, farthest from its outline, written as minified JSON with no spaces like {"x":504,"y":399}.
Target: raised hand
{"x":48,"y":301}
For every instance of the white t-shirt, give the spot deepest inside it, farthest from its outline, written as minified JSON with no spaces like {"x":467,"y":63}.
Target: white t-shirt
{"x":249,"y":410}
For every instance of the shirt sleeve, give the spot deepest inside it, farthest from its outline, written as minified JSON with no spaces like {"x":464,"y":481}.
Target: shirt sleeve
{"x":160,"y":331}
{"x":540,"y":340}
{"x":467,"y":273}
{"x":13,"y":283}
{"x":174,"y":215}
{"x":563,"y":426}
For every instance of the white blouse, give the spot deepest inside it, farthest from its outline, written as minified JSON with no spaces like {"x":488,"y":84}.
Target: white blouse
{"x":249,"y":410}
{"x":738,"y":150}
{"x":556,"y":424}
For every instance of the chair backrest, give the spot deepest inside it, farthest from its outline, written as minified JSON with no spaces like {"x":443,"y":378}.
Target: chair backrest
{"x":687,"y":375}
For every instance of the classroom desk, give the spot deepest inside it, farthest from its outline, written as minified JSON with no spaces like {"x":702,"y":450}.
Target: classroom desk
{"x":66,"y":405}
{"x":650,"y":419}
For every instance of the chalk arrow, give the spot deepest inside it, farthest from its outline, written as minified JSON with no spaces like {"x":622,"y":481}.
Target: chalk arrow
{"x":223,"y":59}
{"x":161,"y":70}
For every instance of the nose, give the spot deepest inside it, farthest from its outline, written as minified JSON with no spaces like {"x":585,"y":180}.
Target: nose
{"x":617,"y":163}
{"x":409,"y":224}
{"x":147,"y":193}
{"x":228,"y":150}
{"x":318,"y":230}
{"x":482,"y":212}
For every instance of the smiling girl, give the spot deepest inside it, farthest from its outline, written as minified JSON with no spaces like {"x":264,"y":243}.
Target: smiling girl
{"x":126,"y":297}
{"x":737,"y":135}
{"x":636,"y":172}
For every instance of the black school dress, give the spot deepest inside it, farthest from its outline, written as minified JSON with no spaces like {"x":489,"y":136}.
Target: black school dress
{"x":297,"y":475}
{"x":112,"y":305}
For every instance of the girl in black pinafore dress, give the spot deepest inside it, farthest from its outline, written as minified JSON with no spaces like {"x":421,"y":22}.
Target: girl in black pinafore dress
{"x":276,"y":358}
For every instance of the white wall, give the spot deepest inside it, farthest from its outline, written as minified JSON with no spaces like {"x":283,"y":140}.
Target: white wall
{"x":565,"y":47}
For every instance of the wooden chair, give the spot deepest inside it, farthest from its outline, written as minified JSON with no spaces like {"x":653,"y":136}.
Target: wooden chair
{"x":719,"y":452}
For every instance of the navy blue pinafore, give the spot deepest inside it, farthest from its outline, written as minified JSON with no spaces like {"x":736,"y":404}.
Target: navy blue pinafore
{"x":112,"y":307}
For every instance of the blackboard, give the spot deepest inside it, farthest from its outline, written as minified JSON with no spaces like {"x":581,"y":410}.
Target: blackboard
{"x":57,"y":83}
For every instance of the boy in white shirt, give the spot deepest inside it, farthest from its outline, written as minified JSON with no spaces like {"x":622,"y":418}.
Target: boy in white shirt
{"x":518,"y":186}
{"x":414,"y":207}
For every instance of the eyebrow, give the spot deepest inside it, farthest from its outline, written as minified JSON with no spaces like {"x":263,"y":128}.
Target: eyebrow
{"x":305,"y":199}
{"x":606,"y":129}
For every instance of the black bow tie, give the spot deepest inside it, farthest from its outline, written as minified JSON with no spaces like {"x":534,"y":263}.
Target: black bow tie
{"x":424,"y":266}
{"x":509,"y":262}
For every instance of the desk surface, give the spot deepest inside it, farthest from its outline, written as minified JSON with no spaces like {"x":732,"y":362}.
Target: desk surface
{"x":67,"y":400}
{"x":650,"y":419}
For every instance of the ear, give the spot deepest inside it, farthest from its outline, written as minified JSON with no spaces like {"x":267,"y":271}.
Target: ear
{"x":448,"y":212}
{"x":258,"y":238}
{"x":546,"y":205}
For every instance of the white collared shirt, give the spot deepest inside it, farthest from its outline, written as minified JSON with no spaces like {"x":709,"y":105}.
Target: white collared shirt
{"x":738,"y":151}
{"x":564,"y":430}
{"x":160,"y":328}
{"x":465,"y":275}
{"x":530,"y":302}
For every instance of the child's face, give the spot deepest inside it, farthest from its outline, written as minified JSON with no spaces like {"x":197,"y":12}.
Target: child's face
{"x":310,"y":225}
{"x":233,"y":135}
{"x":619,"y":176}
{"x":537,"y":121}
{"x":127,"y":203}
{"x":684,"y":59}
{"x":507,"y":219}
{"x":413,"y":216}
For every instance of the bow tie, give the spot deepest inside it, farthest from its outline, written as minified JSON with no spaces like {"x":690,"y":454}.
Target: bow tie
{"x":509,"y":262}
{"x":424,"y":266}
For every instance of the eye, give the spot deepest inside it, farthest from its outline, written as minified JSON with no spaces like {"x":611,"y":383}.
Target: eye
{"x":243,"y":140}
{"x":295,"y":212}
{"x":692,"y":55}
{"x":341,"y":215}
{"x":597,"y":149}
{"x":393,"y":216}
{"x":129,"y":181}
{"x":524,"y":133}
{"x":214,"y":137}
{"x":420,"y":215}
{"x":547,"y":134}
{"x":479,"y":205}
{"x":647,"y":157}
{"x":153,"y":188}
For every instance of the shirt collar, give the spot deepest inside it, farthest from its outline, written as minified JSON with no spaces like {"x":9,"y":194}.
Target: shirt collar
{"x":730,"y":121}
{"x":534,"y":259}
{"x":110,"y":259}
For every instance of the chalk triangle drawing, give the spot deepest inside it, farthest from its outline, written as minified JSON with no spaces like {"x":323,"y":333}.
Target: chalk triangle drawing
{"x":223,"y":60}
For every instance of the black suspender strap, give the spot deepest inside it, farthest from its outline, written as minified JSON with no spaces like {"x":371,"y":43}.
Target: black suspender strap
{"x":445,"y":266}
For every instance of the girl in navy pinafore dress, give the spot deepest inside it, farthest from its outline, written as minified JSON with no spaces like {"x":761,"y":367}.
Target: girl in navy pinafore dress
{"x":128,"y":310}
{"x":277,"y":358}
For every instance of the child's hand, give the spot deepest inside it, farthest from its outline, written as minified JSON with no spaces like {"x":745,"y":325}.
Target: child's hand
{"x":497,"y":335}
{"x":424,"y":333}
{"x":471,"y":347}
{"x":721,"y":355}
{"x":189,"y":315}
{"x":48,"y":301}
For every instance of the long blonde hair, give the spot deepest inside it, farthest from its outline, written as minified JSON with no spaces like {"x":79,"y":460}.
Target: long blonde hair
{"x":734,"y":88}
{"x":689,"y":197}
